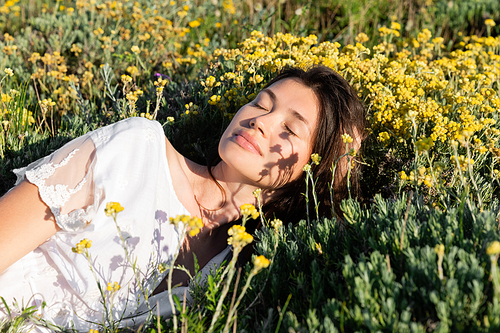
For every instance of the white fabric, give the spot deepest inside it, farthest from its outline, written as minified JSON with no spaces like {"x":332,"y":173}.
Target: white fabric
{"x":126,"y":163}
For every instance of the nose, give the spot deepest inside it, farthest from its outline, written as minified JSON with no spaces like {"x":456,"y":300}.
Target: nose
{"x":258,"y":124}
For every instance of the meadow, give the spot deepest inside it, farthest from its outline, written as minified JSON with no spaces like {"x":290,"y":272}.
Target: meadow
{"x":417,"y":251}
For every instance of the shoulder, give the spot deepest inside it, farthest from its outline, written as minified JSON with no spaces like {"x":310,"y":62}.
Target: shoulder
{"x":130,"y":147}
{"x":135,"y":131}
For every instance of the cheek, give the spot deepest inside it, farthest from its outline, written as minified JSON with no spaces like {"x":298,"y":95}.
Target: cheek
{"x":288,"y":165}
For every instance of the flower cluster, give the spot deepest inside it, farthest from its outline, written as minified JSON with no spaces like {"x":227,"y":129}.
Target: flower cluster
{"x":424,"y":144}
{"x":112,"y":209}
{"x":249,"y":210}
{"x":260,"y":262}
{"x":424,"y":176}
{"x":82,"y":246}
{"x":113,"y":287}
{"x":493,"y":248}
{"x":193,"y":224}
{"x":8,"y":72}
{"x":315,"y":158}
{"x":276,"y":224}
{"x":346,"y":138}
{"x":239,"y":238}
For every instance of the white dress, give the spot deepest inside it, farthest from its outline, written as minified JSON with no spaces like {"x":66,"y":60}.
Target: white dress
{"x":125,"y":163}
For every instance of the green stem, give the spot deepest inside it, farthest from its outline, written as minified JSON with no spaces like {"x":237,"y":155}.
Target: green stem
{"x":438,"y":185}
{"x":240,"y":297}
{"x":307,"y":198}
{"x":471,"y":175}
{"x":170,"y":274}
{"x":225,"y":290}
{"x":348,"y":173}
{"x":313,"y":190}
{"x":132,"y":264}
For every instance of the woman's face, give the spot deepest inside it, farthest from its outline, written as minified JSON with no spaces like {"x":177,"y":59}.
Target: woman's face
{"x":269,"y":140}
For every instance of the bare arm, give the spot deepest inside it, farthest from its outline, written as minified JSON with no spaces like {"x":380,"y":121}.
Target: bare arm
{"x":25,"y":223}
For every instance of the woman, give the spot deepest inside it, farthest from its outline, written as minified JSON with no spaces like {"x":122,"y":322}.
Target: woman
{"x":61,"y":199}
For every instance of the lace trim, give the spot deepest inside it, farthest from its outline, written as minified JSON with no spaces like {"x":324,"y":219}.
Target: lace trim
{"x":55,"y":196}
{"x":74,"y":220}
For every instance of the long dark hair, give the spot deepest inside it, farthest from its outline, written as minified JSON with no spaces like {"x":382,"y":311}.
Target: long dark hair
{"x":340,"y":112}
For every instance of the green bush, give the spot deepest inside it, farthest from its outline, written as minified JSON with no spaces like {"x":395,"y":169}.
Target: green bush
{"x":358,"y":276}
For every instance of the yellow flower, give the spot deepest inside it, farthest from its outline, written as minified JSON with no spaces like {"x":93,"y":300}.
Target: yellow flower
{"x":133,"y":70}
{"x":113,"y":287}
{"x":318,"y":248}
{"x":126,"y":78}
{"x":439,"y":249}
{"x":493,"y":248}
{"x":5,"y":98}
{"x":46,"y":104}
{"x":490,"y":23}
{"x":194,"y":224}
{"x":9,"y":71}
{"x":135,"y":49}
{"x":239,"y":238}
{"x":395,"y":26}
{"x":307,"y":167}
{"x":82,"y":245}
{"x":75,"y":49}
{"x":362,"y":37}
{"x":162,"y":268}
{"x":194,"y":24}
{"x":113,"y":208}
{"x":315,"y":158}
{"x":260,"y":262}
{"x":249,"y":210}
{"x":98,"y":31}
{"x":34,"y":57}
{"x":383,"y":136}
{"x":276,"y":224}
{"x":346,"y":138}
{"x":214,"y":99}
{"x":170,"y":119}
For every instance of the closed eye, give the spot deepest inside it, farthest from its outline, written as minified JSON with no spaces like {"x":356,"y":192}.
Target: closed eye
{"x":259,"y":106}
{"x":289,"y":131}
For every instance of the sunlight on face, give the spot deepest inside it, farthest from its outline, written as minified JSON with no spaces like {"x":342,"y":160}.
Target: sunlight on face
{"x":270,"y":139}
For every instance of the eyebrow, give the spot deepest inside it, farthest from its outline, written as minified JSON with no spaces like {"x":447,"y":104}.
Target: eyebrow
{"x":295,"y":113}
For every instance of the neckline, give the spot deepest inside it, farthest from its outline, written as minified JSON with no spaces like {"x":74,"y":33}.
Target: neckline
{"x":169,"y":175}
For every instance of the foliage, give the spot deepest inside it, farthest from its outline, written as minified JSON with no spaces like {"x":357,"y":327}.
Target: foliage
{"x":361,"y":277}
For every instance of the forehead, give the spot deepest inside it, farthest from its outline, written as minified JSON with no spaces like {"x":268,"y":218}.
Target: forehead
{"x":292,"y":87}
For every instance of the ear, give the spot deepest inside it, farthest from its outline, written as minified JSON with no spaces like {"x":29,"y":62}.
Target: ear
{"x":357,"y":139}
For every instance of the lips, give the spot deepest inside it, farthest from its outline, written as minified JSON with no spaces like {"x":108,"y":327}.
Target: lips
{"x":246,"y":141}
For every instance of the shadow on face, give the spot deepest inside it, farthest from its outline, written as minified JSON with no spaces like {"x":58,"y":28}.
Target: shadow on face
{"x":285,"y":167}
{"x":282,"y":169}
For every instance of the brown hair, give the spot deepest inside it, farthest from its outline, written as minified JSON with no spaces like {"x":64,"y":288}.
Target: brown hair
{"x":340,"y":112}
